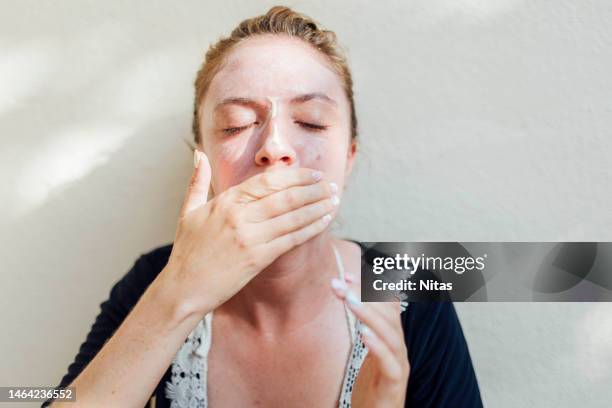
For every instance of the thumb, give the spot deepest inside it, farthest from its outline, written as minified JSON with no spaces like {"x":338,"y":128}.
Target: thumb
{"x":197,"y":193}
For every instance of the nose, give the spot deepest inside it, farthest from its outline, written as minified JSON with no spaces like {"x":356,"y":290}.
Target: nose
{"x":275,"y":147}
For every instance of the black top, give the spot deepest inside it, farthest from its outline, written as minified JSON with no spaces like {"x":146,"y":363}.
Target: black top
{"x":441,"y":371}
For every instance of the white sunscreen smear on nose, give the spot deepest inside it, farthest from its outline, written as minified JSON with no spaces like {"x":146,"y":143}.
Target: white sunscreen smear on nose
{"x":273,"y":112}
{"x":275,"y":134}
{"x":274,"y":109}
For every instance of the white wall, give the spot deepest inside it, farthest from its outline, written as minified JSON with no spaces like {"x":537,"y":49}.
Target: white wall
{"x":480,"y":121}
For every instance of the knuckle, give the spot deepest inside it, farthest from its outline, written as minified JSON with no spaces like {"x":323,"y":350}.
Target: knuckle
{"x":241,"y":239}
{"x":273,"y":206}
{"x":222,"y":203}
{"x":324,"y":208}
{"x":193,"y":181}
{"x":252,"y":264}
{"x":215,"y":205}
{"x":306,"y":194}
{"x":395,"y":375}
{"x":327,"y":206}
{"x":296,"y":218}
{"x":323,"y":189}
{"x":291,"y":198}
{"x":294,"y":239}
{"x":232,"y":217}
{"x":249,"y":260}
{"x":394,"y":347}
{"x":405,"y":363}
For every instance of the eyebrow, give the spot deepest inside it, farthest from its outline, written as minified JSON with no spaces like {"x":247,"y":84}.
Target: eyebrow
{"x":295,"y":100}
{"x":314,"y":95}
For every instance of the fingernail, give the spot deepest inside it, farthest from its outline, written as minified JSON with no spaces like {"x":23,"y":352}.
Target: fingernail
{"x":196,"y":158}
{"x":326,"y":218}
{"x":317,"y":175}
{"x":335,"y":200}
{"x":353,"y":300}
{"x":338,"y":284}
{"x":366,"y":331}
{"x":333,"y":187}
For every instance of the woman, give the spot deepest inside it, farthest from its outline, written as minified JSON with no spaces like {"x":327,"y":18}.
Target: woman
{"x":276,"y":138}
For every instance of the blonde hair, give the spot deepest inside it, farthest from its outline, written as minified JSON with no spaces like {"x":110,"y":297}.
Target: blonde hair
{"x":278,"y":20}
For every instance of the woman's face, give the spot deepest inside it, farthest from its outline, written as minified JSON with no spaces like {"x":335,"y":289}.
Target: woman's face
{"x":275,"y":103}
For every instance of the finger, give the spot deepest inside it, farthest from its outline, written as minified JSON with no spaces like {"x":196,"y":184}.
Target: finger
{"x":197,"y":192}
{"x":284,"y":243}
{"x":390,"y":311}
{"x":339,"y":288}
{"x":283,"y":224}
{"x":283,"y":201}
{"x":264,"y":184}
{"x":387,"y":360}
{"x":372,"y":317}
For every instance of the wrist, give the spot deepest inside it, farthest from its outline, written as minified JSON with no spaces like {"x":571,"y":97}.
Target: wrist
{"x":177,"y":307}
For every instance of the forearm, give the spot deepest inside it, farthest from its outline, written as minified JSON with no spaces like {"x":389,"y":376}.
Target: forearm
{"x":127,"y":369}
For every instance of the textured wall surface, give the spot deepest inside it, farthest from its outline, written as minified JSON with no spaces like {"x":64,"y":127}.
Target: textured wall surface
{"x":481,"y":120}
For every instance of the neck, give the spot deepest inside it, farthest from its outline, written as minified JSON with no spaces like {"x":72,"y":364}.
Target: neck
{"x":292,"y":291}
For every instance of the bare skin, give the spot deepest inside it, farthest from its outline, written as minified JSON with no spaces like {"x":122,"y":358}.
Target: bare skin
{"x":258,"y":252}
{"x":212,"y":236}
{"x":297,"y":342}
{"x":296,"y":363}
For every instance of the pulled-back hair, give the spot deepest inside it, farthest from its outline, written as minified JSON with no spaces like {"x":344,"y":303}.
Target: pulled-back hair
{"x":283,"y":21}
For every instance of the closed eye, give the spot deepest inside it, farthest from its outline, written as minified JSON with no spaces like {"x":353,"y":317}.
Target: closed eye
{"x":312,"y":126}
{"x":234,"y":130}
{"x":306,"y":125}
{"x":231,"y":131}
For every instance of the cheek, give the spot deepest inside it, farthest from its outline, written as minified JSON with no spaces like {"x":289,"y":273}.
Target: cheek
{"x":231,"y":164}
{"x":321,"y":154}
{"x":311,"y":152}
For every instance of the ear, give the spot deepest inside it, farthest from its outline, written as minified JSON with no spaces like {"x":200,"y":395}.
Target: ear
{"x":350,"y":158}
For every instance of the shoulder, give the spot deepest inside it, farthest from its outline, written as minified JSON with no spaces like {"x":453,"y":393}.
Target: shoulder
{"x":149,"y":264}
{"x":128,"y":289}
{"x":430,"y":323}
{"x":157,"y":258}
{"x":442,"y":373}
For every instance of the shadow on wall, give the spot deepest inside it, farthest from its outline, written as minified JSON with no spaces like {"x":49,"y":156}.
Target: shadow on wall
{"x":94,"y":108}
{"x":93,"y":115}
{"x":65,"y":253}
{"x":95,"y":105}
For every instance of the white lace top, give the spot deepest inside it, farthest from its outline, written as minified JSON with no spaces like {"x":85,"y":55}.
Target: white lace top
{"x":187,"y":387}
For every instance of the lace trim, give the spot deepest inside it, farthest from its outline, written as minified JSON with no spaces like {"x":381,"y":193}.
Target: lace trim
{"x":187,"y":387}
{"x":358,"y":354}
